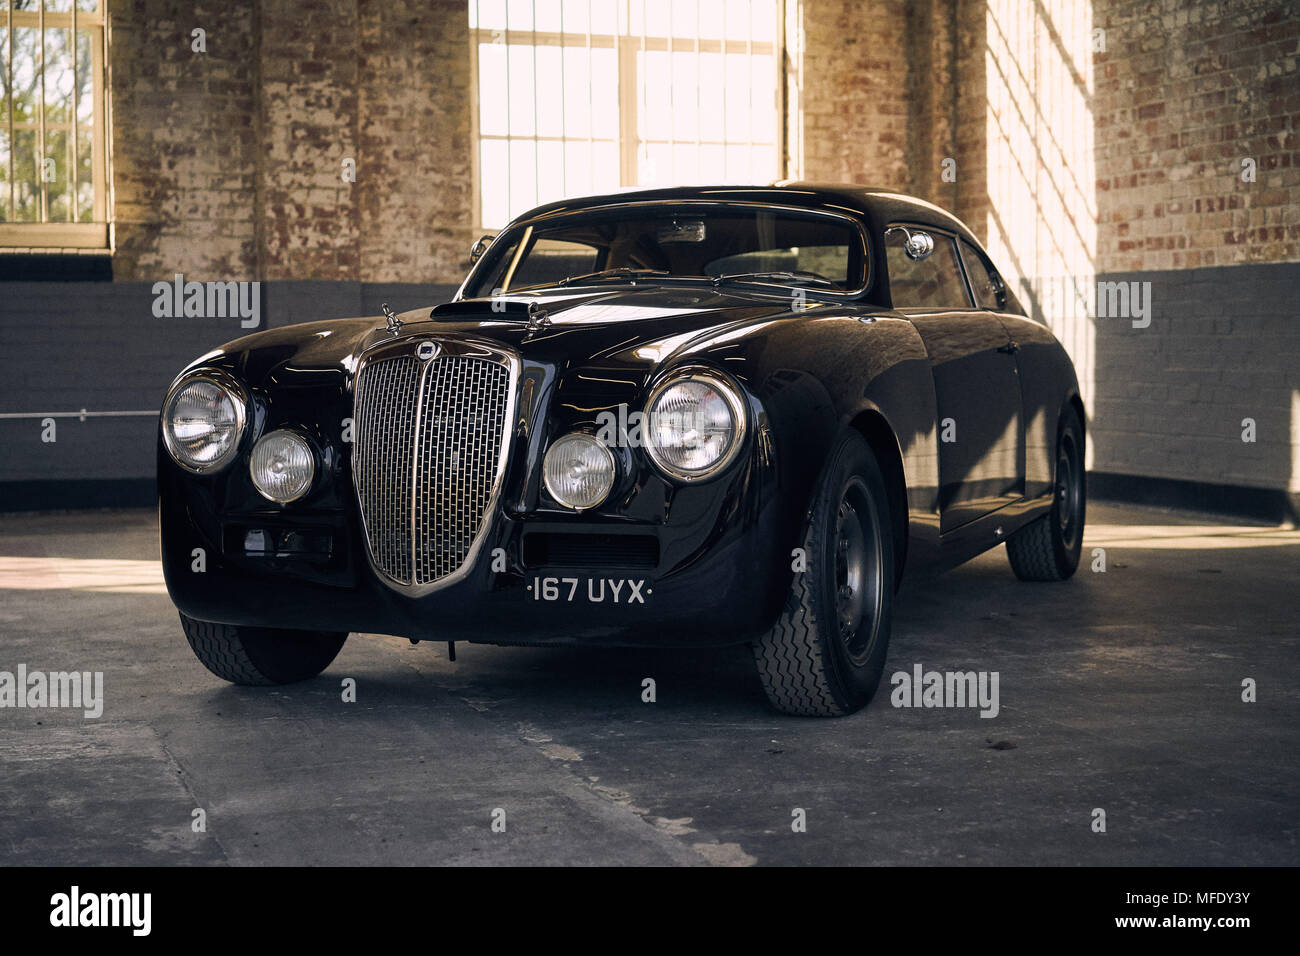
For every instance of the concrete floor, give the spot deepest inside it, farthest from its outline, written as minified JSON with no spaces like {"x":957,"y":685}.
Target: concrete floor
{"x":1119,"y":690}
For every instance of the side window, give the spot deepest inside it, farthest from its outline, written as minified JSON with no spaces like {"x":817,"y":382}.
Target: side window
{"x":984,"y":283}
{"x":934,"y":282}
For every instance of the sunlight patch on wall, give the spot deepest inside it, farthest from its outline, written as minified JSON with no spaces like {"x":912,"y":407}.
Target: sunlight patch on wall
{"x":1042,"y":219}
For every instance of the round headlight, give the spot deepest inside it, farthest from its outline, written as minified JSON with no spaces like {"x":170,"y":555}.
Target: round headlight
{"x":282,"y":466}
{"x":579,"y":471}
{"x":202,"y":421}
{"x":695,"y":425}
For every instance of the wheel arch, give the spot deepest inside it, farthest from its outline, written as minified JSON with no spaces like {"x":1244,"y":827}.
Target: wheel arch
{"x":873,"y":427}
{"x":1075,"y":402}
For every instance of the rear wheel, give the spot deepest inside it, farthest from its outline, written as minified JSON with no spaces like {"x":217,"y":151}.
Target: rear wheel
{"x":261,"y":656}
{"x":825,"y":655}
{"x":1048,"y":549}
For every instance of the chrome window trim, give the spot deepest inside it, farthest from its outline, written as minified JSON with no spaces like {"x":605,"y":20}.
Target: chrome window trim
{"x":458,"y":347}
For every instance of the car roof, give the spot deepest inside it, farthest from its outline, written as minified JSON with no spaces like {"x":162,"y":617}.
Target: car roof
{"x":878,"y":206}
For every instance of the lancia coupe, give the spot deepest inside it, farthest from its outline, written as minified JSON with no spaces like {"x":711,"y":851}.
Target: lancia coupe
{"x":664,"y":418}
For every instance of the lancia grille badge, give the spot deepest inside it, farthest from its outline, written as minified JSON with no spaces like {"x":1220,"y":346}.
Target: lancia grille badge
{"x":426,"y":350}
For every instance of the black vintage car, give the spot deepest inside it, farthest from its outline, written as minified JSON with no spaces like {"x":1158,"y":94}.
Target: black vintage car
{"x":671,"y":417}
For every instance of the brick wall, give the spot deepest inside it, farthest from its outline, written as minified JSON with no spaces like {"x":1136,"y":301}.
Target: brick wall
{"x":1184,"y":93}
{"x":183,"y":139}
{"x":852,"y":120}
{"x":1102,"y":142}
{"x":228,"y":164}
{"x":415,"y":172}
{"x":1075,"y":164}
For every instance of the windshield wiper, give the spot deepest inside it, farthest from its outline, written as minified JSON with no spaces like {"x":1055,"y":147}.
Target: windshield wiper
{"x":777,"y":276}
{"x":620,"y":273}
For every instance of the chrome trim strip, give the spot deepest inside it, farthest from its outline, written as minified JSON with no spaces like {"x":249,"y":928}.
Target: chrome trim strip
{"x":234,"y":390}
{"x":734,"y":397}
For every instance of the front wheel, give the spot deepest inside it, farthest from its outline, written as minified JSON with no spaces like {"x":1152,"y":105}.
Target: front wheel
{"x":825,"y":655}
{"x":1048,"y":548}
{"x":261,"y":656}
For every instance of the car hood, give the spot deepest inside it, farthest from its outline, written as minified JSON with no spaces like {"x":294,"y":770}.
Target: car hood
{"x":625,"y":327}
{"x":652,"y":322}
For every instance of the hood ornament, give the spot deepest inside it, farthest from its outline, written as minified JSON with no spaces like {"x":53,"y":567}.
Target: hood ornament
{"x":394,"y":323}
{"x":538,"y":319}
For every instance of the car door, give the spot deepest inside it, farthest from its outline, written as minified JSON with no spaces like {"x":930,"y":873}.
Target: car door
{"x":1035,"y":344}
{"x":976,"y":382}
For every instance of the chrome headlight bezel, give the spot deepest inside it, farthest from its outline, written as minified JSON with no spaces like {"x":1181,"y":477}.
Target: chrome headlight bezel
{"x":735,"y":400}
{"x":608,"y":457}
{"x":294,"y":436}
{"x":234,"y":392}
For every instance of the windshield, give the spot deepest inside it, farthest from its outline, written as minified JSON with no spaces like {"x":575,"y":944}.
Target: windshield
{"x":663,"y":242}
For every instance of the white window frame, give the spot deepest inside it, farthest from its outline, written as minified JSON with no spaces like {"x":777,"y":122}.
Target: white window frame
{"x":46,"y":235}
{"x":628,"y":45}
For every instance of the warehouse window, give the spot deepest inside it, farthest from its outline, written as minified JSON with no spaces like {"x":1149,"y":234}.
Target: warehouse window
{"x":53,"y":174}
{"x":585,"y":96}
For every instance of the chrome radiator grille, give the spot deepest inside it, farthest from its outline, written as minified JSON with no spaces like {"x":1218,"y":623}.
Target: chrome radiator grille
{"x":427,"y":453}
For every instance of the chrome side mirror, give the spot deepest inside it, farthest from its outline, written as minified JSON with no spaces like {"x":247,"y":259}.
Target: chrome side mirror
{"x":480,"y":246}
{"x":919,"y":244}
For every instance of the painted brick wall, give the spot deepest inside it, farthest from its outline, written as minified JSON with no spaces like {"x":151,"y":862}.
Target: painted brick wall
{"x":228,"y":164}
{"x":307,"y":98}
{"x":853,"y":119}
{"x":415,"y":173}
{"x":184,"y":139}
{"x":98,"y":346}
{"x":1174,"y":399}
{"x":1184,"y":93}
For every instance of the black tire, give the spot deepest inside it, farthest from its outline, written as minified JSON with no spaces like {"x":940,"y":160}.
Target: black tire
{"x":261,"y":656}
{"x":825,"y":655}
{"x":1048,"y":548}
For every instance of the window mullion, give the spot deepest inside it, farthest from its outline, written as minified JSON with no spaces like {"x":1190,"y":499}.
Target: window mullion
{"x":627,"y":110}
{"x":99,"y":121}
{"x":73,"y":177}
{"x":9,"y":77}
{"x":40,"y":130}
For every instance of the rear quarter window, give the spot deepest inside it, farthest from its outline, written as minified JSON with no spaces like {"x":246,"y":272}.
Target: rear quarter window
{"x":983,"y":282}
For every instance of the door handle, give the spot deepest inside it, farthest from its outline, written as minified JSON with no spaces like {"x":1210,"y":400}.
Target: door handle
{"x":1011,"y":348}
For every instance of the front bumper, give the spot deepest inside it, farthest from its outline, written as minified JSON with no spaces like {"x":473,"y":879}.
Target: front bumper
{"x":713,"y":571}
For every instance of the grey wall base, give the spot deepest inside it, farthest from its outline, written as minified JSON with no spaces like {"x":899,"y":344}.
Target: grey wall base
{"x":97,"y":346}
{"x":1240,"y":501}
